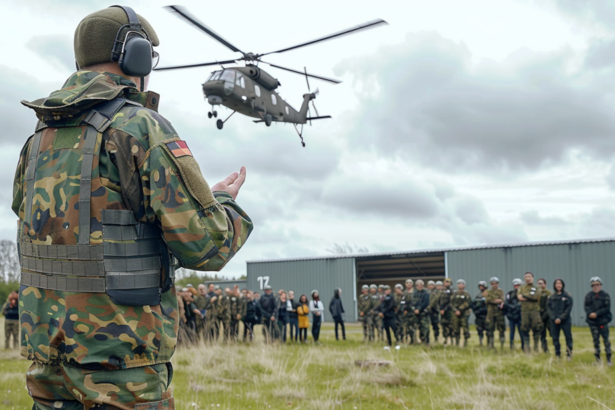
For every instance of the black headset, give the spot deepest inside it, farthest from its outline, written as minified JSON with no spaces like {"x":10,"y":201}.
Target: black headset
{"x":133,"y":51}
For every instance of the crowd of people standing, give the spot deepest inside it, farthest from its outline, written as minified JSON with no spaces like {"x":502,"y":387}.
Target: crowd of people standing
{"x":531,"y":309}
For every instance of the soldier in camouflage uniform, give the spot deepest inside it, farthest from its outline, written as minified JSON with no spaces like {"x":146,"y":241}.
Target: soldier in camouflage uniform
{"x":364,"y":305}
{"x":201,"y":301}
{"x":409,"y":319}
{"x":446,"y":313}
{"x":399,"y":305}
{"x":460,"y":304}
{"x":373,"y":315}
{"x":494,"y":298}
{"x":434,"y":313}
{"x":100,"y":322}
{"x":378,"y":318}
{"x":235,"y":314}
{"x":544,"y":315}
{"x":529,"y":295}
{"x":419,"y":302}
{"x":479,"y":307}
{"x":223,"y":313}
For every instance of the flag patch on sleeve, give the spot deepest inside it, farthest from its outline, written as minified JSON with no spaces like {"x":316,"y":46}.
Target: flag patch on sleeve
{"x":179,"y":148}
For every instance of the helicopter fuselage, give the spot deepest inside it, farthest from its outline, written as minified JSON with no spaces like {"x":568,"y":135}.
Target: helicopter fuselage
{"x":251,"y":91}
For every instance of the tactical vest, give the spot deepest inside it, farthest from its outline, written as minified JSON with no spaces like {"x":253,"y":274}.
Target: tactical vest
{"x":127,"y":266}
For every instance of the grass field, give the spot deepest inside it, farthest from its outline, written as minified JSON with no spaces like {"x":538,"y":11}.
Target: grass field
{"x":295,"y":376}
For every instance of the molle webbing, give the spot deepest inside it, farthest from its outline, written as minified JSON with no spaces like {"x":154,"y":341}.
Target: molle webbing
{"x":130,"y":255}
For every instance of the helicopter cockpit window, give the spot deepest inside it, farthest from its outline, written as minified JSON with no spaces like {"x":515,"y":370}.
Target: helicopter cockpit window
{"x":287,"y":110}
{"x":274,"y":100}
{"x":228,"y":75}
{"x":257,"y":90}
{"x":240,"y":81}
{"x":214,"y":76}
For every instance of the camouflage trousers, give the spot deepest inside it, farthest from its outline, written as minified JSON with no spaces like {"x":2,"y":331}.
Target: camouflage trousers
{"x":530,"y":320}
{"x":55,"y":387}
{"x":446,"y":320}
{"x":493,"y":322}
{"x":379,"y":326}
{"x":460,"y":323}
{"x":422,"y":323}
{"x":434,"y":317}
{"x":11,"y":328}
{"x":400,"y":330}
{"x":234,"y":329}
{"x":370,"y":325}
{"x":597,"y":332}
{"x":479,"y":321}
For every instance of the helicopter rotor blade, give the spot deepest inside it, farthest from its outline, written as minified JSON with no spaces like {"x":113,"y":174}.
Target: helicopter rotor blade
{"x":306,"y":79}
{"x":190,"y":18}
{"x":319,"y":77}
{"x":360,"y":27}
{"x":194,"y":65}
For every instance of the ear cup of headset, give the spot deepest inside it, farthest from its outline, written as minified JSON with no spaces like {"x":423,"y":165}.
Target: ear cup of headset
{"x":136,"y":60}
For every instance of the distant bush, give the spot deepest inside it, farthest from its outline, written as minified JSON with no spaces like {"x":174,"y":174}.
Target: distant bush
{"x":6,"y":288}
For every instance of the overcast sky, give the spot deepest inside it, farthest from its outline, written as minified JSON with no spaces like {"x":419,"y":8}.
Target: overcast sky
{"x":460,"y":123}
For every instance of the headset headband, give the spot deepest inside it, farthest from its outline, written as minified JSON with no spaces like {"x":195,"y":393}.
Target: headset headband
{"x":133,"y":20}
{"x":134,"y":26}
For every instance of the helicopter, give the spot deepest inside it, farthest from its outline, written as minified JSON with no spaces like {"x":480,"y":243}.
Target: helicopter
{"x":250,"y":90}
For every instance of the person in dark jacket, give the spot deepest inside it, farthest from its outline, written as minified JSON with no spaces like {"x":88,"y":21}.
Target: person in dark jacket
{"x":268,"y":305}
{"x":598,"y":309}
{"x":386,"y":310}
{"x":293,"y":318}
{"x":11,"y":320}
{"x":282,"y":316}
{"x":250,"y":318}
{"x":512,"y":307}
{"x":419,"y":303}
{"x":559,"y":305}
{"x":479,"y":308}
{"x":337,"y":309}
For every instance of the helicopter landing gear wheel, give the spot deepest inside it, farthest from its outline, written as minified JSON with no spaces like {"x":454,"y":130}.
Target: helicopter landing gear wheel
{"x":268,"y":119}
{"x":209,"y":115}
{"x":219,"y":124}
{"x":216,"y":114}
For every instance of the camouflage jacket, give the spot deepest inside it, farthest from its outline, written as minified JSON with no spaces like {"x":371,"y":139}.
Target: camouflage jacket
{"x":461,"y":301}
{"x":133,"y":169}
{"x":493,"y":308}
{"x":222,"y":308}
{"x":364,"y":304}
{"x":532,"y":295}
{"x":444,"y":299}
{"x":234,"y":306}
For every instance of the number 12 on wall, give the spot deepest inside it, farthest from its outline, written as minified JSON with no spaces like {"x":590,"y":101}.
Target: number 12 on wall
{"x":264,"y":281}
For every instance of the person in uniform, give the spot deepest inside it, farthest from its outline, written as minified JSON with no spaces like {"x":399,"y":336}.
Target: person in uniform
{"x":494,"y":298}
{"x":223,"y":313}
{"x":529,"y":295}
{"x":386,"y":311}
{"x":446,"y":312}
{"x":434,"y":313}
{"x":544,"y":315}
{"x":376,"y":319}
{"x":512,"y":307}
{"x":104,"y":168}
{"x":400,"y":305}
{"x":559,"y":306}
{"x":201,"y":302}
{"x":267,"y":306}
{"x":479,"y":307}
{"x":364,"y":306}
{"x":379,"y":320}
{"x":235,"y":313}
{"x":460,"y":304}
{"x":10,"y":310}
{"x":598,"y":309}
{"x":409,"y":318}
{"x":420,"y":303}
{"x":431,"y":285}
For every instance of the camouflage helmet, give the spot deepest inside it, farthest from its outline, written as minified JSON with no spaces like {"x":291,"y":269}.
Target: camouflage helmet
{"x":461,"y":281}
{"x":385,"y":287}
{"x":439,"y":283}
{"x":431,"y":282}
{"x":595,"y":279}
{"x":420,"y":282}
{"x":364,"y":287}
{"x":517,"y":281}
{"x":482,"y":283}
{"x":399,"y":286}
{"x":410,"y":281}
{"x":494,"y":279}
{"x":96,"y":33}
{"x":372,"y":286}
{"x":449,"y":280}
{"x":268,"y":287}
{"x":381,"y":286}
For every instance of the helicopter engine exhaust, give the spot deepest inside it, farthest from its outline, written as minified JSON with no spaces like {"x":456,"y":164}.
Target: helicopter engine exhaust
{"x":263,"y":78}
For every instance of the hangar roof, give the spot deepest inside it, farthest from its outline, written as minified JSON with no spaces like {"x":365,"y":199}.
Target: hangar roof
{"x":437,"y":250}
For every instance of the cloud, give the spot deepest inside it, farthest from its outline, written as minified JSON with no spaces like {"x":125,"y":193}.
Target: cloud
{"x":55,"y":49}
{"x":534,"y":218}
{"x":427,"y":100}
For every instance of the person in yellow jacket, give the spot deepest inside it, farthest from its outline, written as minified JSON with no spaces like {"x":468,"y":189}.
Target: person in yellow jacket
{"x":303,"y":312}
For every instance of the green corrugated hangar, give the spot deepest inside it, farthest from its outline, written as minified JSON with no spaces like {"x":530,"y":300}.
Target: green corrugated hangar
{"x":573,"y":261}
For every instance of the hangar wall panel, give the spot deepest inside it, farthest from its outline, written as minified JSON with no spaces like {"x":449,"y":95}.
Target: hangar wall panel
{"x":574,"y":263}
{"x":304,"y":276}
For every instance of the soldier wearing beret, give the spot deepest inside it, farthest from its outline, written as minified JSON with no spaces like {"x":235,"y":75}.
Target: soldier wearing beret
{"x":110,"y":200}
